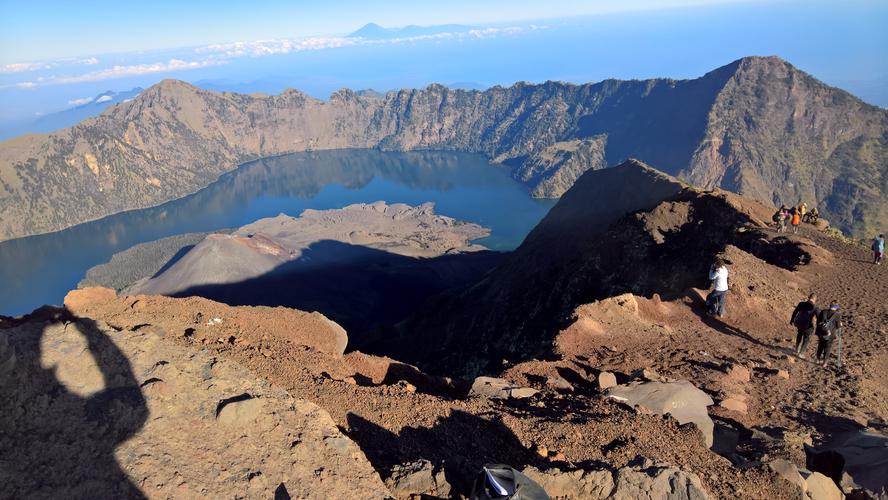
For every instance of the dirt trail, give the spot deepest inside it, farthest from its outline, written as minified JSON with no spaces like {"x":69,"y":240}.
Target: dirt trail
{"x":788,"y":398}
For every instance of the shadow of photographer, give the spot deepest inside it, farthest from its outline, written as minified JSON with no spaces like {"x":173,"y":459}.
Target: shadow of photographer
{"x":64,"y":413}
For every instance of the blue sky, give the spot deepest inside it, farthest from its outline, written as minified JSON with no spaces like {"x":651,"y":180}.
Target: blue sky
{"x":40,"y":30}
{"x":56,"y":55}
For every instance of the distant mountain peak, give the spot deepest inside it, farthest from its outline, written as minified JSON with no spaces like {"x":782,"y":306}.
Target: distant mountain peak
{"x":373,"y":31}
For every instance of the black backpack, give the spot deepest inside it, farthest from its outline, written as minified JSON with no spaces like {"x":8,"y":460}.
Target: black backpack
{"x":778,"y":216}
{"x":826,"y":323}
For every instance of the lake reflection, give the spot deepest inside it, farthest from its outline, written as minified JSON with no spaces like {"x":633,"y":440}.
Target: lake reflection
{"x":39,"y":270}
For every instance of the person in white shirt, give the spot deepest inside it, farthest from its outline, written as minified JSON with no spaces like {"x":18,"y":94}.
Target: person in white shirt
{"x":715,"y":301}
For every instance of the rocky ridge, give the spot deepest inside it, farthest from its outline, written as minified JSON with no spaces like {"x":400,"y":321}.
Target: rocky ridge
{"x":757,"y":126}
{"x":776,"y":422}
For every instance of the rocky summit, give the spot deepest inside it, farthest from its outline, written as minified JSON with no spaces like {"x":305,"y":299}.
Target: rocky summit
{"x":758,"y":127}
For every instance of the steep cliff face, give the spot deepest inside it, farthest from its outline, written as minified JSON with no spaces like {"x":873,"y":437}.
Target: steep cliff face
{"x":778,"y":135}
{"x":757,"y":126}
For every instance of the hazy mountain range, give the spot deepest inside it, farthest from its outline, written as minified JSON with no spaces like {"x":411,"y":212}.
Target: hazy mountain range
{"x":757,"y":126}
{"x":83,"y":109}
{"x":373,"y":31}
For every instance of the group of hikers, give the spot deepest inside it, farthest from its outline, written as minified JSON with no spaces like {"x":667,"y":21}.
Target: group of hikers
{"x":825,"y":324}
{"x":795,"y":216}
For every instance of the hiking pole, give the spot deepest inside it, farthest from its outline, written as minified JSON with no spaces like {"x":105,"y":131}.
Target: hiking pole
{"x":839,"y":338}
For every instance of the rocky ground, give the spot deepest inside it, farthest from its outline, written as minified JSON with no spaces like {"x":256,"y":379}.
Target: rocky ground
{"x":640,"y":396}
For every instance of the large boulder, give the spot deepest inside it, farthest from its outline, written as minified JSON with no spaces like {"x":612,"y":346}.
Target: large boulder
{"x":93,"y":412}
{"x":820,"y":487}
{"x":679,"y":398}
{"x":856,"y":460}
{"x":642,"y":479}
{"x":79,"y":301}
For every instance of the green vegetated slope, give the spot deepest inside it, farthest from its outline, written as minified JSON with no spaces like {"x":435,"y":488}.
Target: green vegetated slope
{"x":757,"y":126}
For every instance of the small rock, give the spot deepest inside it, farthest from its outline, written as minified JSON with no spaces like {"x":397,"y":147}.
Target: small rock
{"x":490,"y":387}
{"x":542,"y":451}
{"x":410,"y":388}
{"x":734,"y":404}
{"x":523,"y":392}
{"x":787,"y":470}
{"x":647,"y":374}
{"x":738,"y":373}
{"x":783,"y":374}
{"x":350,"y":381}
{"x":606,"y":380}
{"x":157,"y":388}
{"x":240,"y":412}
{"x":413,"y":479}
{"x":558,"y":383}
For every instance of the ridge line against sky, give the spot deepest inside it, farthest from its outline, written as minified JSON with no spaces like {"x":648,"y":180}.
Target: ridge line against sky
{"x":269,"y":46}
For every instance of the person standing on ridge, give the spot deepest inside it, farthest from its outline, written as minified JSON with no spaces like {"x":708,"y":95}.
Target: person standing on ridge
{"x":796,"y":220}
{"x":878,"y":249}
{"x":780,"y":218}
{"x":829,"y":327}
{"x":715,"y":301}
{"x":803,"y":318}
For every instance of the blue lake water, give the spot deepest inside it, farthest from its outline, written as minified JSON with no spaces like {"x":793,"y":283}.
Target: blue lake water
{"x":40,"y":269}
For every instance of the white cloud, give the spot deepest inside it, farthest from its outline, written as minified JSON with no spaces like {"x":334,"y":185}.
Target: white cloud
{"x":219,"y":54}
{"x":79,"y":102}
{"x":261,"y":48}
{"x":104,"y":98}
{"x":124,"y":71}
{"x":277,"y":46}
{"x":37,"y":66}
{"x":20,"y":67}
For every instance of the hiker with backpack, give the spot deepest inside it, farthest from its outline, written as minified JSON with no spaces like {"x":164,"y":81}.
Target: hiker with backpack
{"x":878,"y":249}
{"x":715,"y":301}
{"x":803,"y":318}
{"x":813,"y":216}
{"x":779,"y":218}
{"x":829,"y":328}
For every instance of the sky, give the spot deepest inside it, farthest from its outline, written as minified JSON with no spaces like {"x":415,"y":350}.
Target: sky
{"x":39,"y":30}
{"x":59,"y":55}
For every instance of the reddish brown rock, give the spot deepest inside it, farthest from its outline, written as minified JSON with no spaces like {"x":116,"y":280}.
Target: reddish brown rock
{"x":734,"y":404}
{"x":738,"y":373}
{"x":80,"y":301}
